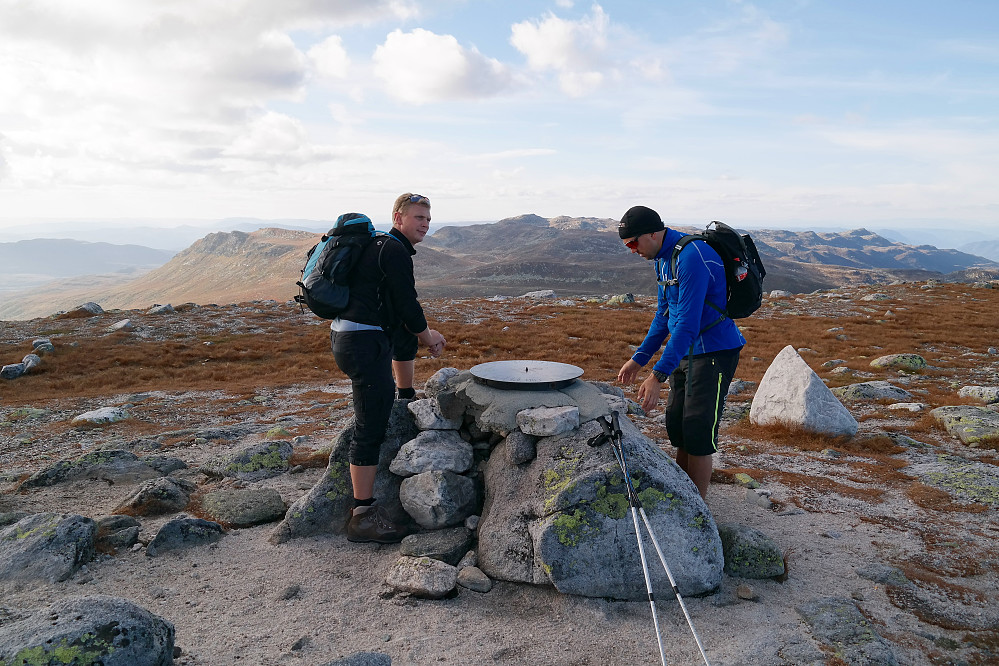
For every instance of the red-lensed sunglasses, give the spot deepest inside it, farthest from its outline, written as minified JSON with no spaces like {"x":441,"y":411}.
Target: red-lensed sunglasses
{"x":633,"y":243}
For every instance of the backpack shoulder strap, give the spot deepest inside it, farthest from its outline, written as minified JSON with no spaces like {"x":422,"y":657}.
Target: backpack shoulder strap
{"x":675,"y":280}
{"x":675,"y":257}
{"x":382,"y":249}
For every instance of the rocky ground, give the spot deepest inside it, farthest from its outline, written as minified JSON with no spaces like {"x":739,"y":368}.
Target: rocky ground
{"x":898,"y":523}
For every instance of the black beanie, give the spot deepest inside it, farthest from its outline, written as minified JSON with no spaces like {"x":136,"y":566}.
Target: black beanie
{"x":639,"y":220}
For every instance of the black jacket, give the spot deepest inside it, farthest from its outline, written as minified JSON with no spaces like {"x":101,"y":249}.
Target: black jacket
{"x":382,"y":286}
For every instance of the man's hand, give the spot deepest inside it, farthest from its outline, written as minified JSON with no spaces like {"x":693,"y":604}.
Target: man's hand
{"x":628,"y":372}
{"x":648,"y":392}
{"x":436,"y":346}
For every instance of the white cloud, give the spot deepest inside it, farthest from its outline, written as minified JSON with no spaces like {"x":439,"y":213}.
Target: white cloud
{"x":575,"y":50}
{"x":586,"y":54}
{"x":330,"y":58}
{"x":123,"y":93}
{"x":269,"y":137}
{"x":4,"y":166}
{"x":422,"y":67}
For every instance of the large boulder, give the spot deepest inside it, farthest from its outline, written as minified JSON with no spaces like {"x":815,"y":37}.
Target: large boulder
{"x":89,"y":630}
{"x":46,"y":546}
{"x":791,"y":394}
{"x":564,"y":519}
{"x":243,"y":508}
{"x":325,"y":507}
{"x":12,"y":371}
{"x":88,"y":309}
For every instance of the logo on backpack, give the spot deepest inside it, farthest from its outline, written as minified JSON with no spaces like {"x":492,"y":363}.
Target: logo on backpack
{"x":329,"y":264}
{"x":744,"y":270}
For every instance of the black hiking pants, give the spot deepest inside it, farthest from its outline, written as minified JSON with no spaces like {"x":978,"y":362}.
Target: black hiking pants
{"x":366,"y":357}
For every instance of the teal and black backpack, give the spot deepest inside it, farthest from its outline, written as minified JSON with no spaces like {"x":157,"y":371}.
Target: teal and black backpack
{"x":329,"y":263}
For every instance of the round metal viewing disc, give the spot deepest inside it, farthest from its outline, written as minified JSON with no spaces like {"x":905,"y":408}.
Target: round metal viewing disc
{"x":526,"y":375}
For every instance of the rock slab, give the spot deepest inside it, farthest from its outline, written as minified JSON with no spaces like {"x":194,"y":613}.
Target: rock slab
{"x":89,"y":630}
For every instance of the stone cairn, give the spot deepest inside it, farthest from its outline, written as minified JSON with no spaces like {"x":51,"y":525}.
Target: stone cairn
{"x":502,"y":484}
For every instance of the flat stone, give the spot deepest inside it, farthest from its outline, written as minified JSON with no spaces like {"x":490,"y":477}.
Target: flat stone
{"x":876,"y":390}
{"x":548,"y":421}
{"x":423,"y":577}
{"x":433,"y":450}
{"x":447,"y":545}
{"x":905,"y":362}
{"x":968,"y":423}
{"x":474,"y":579}
{"x":183,"y":532}
{"x":840,"y":625}
{"x":244,"y":508}
{"x":102,"y":416}
{"x":987,"y":394}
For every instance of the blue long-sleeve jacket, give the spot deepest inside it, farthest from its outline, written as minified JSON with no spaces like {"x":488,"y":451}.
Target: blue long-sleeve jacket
{"x":682,"y":313}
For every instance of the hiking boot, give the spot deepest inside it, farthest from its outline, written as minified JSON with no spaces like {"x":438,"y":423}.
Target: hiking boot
{"x":372,"y":524}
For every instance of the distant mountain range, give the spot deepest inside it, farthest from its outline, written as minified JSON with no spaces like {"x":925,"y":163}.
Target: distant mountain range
{"x":983,"y":248}
{"x":585,"y":255}
{"x":29,"y":263}
{"x":573,"y":256}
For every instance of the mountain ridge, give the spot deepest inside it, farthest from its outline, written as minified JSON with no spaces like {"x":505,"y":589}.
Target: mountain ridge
{"x":576,"y":256}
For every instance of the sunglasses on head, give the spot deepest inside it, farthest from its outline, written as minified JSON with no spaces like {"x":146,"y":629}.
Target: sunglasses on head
{"x":419,"y":198}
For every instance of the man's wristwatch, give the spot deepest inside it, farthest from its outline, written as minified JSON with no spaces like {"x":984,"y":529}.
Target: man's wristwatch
{"x":661,"y":376}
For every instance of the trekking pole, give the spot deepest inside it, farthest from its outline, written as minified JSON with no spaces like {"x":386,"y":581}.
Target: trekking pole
{"x":641,"y":554}
{"x":612,"y":432}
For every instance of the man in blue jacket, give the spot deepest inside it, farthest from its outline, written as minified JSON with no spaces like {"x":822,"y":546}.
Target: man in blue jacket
{"x":700,"y":357}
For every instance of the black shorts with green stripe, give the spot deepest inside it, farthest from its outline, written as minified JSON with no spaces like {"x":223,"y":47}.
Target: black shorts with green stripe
{"x":697,"y":390}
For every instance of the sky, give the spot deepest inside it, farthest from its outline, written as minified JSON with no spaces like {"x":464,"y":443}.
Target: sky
{"x":782,"y":113}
